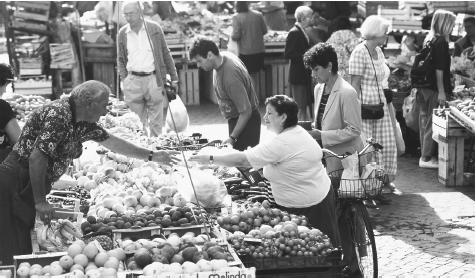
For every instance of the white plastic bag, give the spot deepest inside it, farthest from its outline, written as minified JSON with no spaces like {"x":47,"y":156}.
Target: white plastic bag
{"x":410,"y":111}
{"x":210,"y":190}
{"x":350,"y":184}
{"x":180,"y":116}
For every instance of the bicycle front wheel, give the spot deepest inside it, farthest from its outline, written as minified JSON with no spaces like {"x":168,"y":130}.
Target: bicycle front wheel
{"x":363,"y":240}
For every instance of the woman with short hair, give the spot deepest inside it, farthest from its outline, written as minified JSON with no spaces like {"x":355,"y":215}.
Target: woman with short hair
{"x":338,"y":121}
{"x":291,"y":161}
{"x":428,"y":98}
{"x":51,"y":138}
{"x":368,"y":71}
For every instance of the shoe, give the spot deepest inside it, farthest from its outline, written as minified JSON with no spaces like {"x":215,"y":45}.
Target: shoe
{"x":428,"y":164}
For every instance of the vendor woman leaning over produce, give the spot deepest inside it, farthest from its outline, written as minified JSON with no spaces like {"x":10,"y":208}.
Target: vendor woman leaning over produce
{"x":51,"y":139}
{"x":291,"y":161}
{"x":9,"y":128}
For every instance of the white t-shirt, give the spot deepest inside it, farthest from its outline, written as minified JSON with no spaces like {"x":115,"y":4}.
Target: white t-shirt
{"x":291,"y":161}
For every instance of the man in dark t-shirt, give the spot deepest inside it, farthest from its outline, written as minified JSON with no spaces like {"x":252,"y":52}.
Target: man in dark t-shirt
{"x":234,"y":90}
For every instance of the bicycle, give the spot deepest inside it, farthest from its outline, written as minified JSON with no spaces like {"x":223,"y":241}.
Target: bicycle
{"x":361,"y":254}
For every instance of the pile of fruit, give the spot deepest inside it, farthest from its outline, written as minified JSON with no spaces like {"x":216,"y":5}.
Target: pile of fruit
{"x":174,"y":249}
{"x":56,"y":236}
{"x":23,"y":105}
{"x":466,"y":107}
{"x":187,"y":269}
{"x":255,"y":215}
{"x":275,"y":36}
{"x":242,"y":189}
{"x":168,"y":216}
{"x":82,"y":260}
{"x":283,"y":240}
{"x":463,"y":93}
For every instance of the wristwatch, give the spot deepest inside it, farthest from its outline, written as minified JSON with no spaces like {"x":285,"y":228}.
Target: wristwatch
{"x":233,"y":138}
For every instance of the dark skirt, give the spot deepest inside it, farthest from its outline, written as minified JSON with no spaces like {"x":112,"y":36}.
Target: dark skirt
{"x":17,"y":210}
{"x":253,"y":62}
{"x":250,"y":135}
{"x":322,"y":216}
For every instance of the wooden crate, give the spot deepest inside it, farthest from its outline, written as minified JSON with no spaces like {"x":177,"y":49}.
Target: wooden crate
{"x":38,"y":258}
{"x":196,"y":229}
{"x":135,"y":234}
{"x":189,"y":90}
{"x":451,"y":161}
{"x":29,"y":10}
{"x":277,"y":79}
{"x":178,"y":50}
{"x":8,"y":271}
{"x":444,"y":127}
{"x":274,"y":47}
{"x":393,"y":13}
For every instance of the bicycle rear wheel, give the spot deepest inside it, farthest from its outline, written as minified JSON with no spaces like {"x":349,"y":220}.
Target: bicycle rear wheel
{"x":364,"y":241}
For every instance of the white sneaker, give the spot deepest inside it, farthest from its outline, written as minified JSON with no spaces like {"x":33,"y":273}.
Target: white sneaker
{"x":428,"y":164}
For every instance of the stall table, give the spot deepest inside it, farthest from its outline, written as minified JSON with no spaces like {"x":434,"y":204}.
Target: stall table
{"x":450,"y":135}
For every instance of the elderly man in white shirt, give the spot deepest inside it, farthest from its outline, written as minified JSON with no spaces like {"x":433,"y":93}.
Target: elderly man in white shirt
{"x":144,"y":74}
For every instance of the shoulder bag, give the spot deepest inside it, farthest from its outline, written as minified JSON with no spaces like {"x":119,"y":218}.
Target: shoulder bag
{"x":372,"y":111}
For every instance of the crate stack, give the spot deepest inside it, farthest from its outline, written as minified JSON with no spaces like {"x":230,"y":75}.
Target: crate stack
{"x":29,"y":24}
{"x":31,"y":16}
{"x":402,"y":19}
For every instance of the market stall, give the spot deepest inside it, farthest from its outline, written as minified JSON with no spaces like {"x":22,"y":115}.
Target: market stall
{"x":121,"y":217}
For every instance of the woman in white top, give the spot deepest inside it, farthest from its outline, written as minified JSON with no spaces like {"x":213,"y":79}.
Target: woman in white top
{"x":291,"y":161}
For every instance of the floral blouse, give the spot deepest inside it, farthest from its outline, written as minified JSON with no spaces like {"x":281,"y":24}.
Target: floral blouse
{"x":54,"y":131}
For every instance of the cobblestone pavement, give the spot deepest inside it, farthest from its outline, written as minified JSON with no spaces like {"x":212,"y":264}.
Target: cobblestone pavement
{"x":427,"y":231}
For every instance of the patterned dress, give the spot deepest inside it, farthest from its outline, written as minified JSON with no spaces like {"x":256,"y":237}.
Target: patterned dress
{"x":360,"y":64}
{"x":343,"y":42}
{"x":54,"y":131}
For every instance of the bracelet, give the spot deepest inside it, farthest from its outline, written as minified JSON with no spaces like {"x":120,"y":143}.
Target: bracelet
{"x":151,"y":154}
{"x":211,"y":159}
{"x":233,"y":138}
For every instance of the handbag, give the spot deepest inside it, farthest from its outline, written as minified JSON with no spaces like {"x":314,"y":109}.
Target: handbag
{"x":372,"y":111}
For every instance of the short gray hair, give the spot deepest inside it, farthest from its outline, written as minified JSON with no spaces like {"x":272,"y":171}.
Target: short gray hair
{"x":89,"y":91}
{"x":374,"y":26}
{"x":301,"y":12}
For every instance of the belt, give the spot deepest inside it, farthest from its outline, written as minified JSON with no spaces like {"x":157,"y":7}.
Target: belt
{"x":142,"y":74}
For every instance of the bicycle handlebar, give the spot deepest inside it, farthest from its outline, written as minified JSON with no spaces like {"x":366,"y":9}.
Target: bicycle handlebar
{"x":370,"y":143}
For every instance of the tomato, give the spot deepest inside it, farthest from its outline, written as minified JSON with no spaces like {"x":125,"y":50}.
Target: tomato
{"x":287,"y":249}
{"x":290,"y":242}
{"x":282,"y":247}
{"x":300,"y":253}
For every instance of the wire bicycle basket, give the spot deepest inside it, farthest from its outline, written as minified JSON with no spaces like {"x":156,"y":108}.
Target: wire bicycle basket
{"x":367,"y":188}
